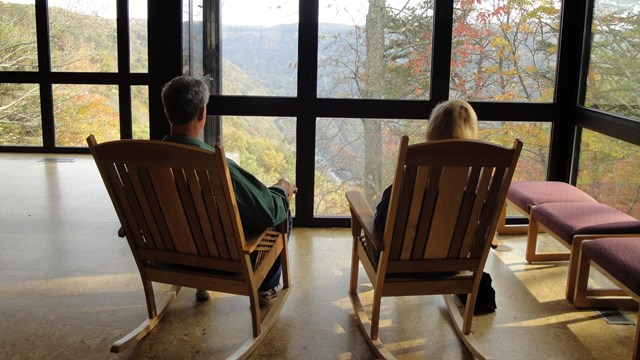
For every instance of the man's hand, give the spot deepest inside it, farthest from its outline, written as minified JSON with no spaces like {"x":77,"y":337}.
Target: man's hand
{"x":289,"y":186}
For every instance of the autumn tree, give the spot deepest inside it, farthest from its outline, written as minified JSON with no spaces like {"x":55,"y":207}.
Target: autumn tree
{"x":19,"y":103}
{"x":79,"y":43}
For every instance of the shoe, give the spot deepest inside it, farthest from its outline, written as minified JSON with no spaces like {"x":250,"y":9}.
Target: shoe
{"x":202,"y":295}
{"x":264,"y":297}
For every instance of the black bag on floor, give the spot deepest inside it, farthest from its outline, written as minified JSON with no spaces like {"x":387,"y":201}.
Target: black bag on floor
{"x":486,"y":300}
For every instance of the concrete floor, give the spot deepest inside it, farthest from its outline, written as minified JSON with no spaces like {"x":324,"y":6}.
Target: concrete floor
{"x":69,"y":288}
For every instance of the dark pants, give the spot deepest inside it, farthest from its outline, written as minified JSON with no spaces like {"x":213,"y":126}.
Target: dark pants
{"x":273,"y":277}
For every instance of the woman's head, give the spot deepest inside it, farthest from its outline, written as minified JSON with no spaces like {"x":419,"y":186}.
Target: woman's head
{"x":452,"y":119}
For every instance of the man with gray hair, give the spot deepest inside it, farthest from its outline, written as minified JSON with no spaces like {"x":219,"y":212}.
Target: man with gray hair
{"x":185,"y":101}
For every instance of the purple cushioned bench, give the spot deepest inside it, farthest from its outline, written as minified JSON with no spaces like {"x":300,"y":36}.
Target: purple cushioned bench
{"x":526,"y":194}
{"x":568,"y":214}
{"x":572,"y":222}
{"x":523,"y":195}
{"x":618,"y":259}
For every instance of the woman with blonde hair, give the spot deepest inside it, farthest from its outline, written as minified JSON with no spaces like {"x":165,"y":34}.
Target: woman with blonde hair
{"x":451,"y":119}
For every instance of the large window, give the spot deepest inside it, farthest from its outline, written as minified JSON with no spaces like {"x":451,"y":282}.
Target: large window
{"x":505,"y":50}
{"x":82,"y":36}
{"x":375,"y":49}
{"x":259,"y":47}
{"x":264,"y":146}
{"x":360,"y":154}
{"x":20,"y":122}
{"x":357,"y":154}
{"x":500,"y":51}
{"x":85,"y":109}
{"x":609,"y":171}
{"x":18,"y":33}
{"x":73,"y":80}
{"x":320,"y":91}
{"x":614,"y":71}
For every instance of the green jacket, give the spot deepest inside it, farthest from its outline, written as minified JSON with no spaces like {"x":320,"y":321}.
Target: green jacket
{"x":260,"y":207}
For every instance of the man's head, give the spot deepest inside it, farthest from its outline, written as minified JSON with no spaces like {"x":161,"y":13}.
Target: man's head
{"x":183,"y":98}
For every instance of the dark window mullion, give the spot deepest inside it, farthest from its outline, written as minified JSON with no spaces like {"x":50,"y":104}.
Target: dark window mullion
{"x":441,"y":55}
{"x":124,"y":70}
{"x":563,"y":133}
{"x":212,"y":64}
{"x":44,"y":70}
{"x":306,"y":119}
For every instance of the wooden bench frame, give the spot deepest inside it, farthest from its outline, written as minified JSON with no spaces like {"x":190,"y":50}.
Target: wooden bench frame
{"x":572,"y":256}
{"x":531,"y":255}
{"x":504,"y":229}
{"x":621,"y":298}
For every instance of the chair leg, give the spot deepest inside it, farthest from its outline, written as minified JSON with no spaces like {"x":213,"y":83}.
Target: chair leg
{"x":284,"y":263}
{"x":150,"y":298}
{"x":468,"y":313}
{"x":254,"y":307}
{"x":375,"y":314}
{"x":353,"y":279}
{"x":143,"y":329}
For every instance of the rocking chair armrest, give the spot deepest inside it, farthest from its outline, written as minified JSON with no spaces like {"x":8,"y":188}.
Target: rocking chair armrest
{"x":362,"y":213}
{"x":254,"y":240}
{"x":121,"y":232}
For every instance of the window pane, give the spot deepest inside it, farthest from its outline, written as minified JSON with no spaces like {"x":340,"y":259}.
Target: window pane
{"x":192,"y":38}
{"x":264,"y":146}
{"x":18,"y":47}
{"x":375,"y":52}
{"x":361,"y":154}
{"x":505,"y":50}
{"x":80,"y":110}
{"x":140,"y":112}
{"x":259,"y":47}
{"x":83,"y":36}
{"x":138,"y":35}
{"x":614,"y":67}
{"x":357,"y":154}
{"x":20,"y":120}
{"x":534,"y":157}
{"x":609,"y":171}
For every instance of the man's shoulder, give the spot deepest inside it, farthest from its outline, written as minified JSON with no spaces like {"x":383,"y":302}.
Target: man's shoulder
{"x":188,"y":141}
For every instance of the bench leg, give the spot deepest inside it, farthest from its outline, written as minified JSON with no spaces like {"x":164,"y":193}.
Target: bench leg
{"x":582,"y":279}
{"x":532,"y":243}
{"x":503,"y":229}
{"x":572,"y":272}
{"x":583,"y":297}
{"x":532,"y":240}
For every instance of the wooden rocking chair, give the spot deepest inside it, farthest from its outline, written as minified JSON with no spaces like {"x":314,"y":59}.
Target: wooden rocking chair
{"x":179,"y":214}
{"x":445,"y":203}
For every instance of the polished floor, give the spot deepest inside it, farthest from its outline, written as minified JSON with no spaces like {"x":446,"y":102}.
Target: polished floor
{"x":69,"y":288}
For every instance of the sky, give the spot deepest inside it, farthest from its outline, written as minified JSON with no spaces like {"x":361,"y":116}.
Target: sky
{"x":236,"y":12}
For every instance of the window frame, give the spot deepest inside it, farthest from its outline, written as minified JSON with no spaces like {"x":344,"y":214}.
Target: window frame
{"x":566,"y":113}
